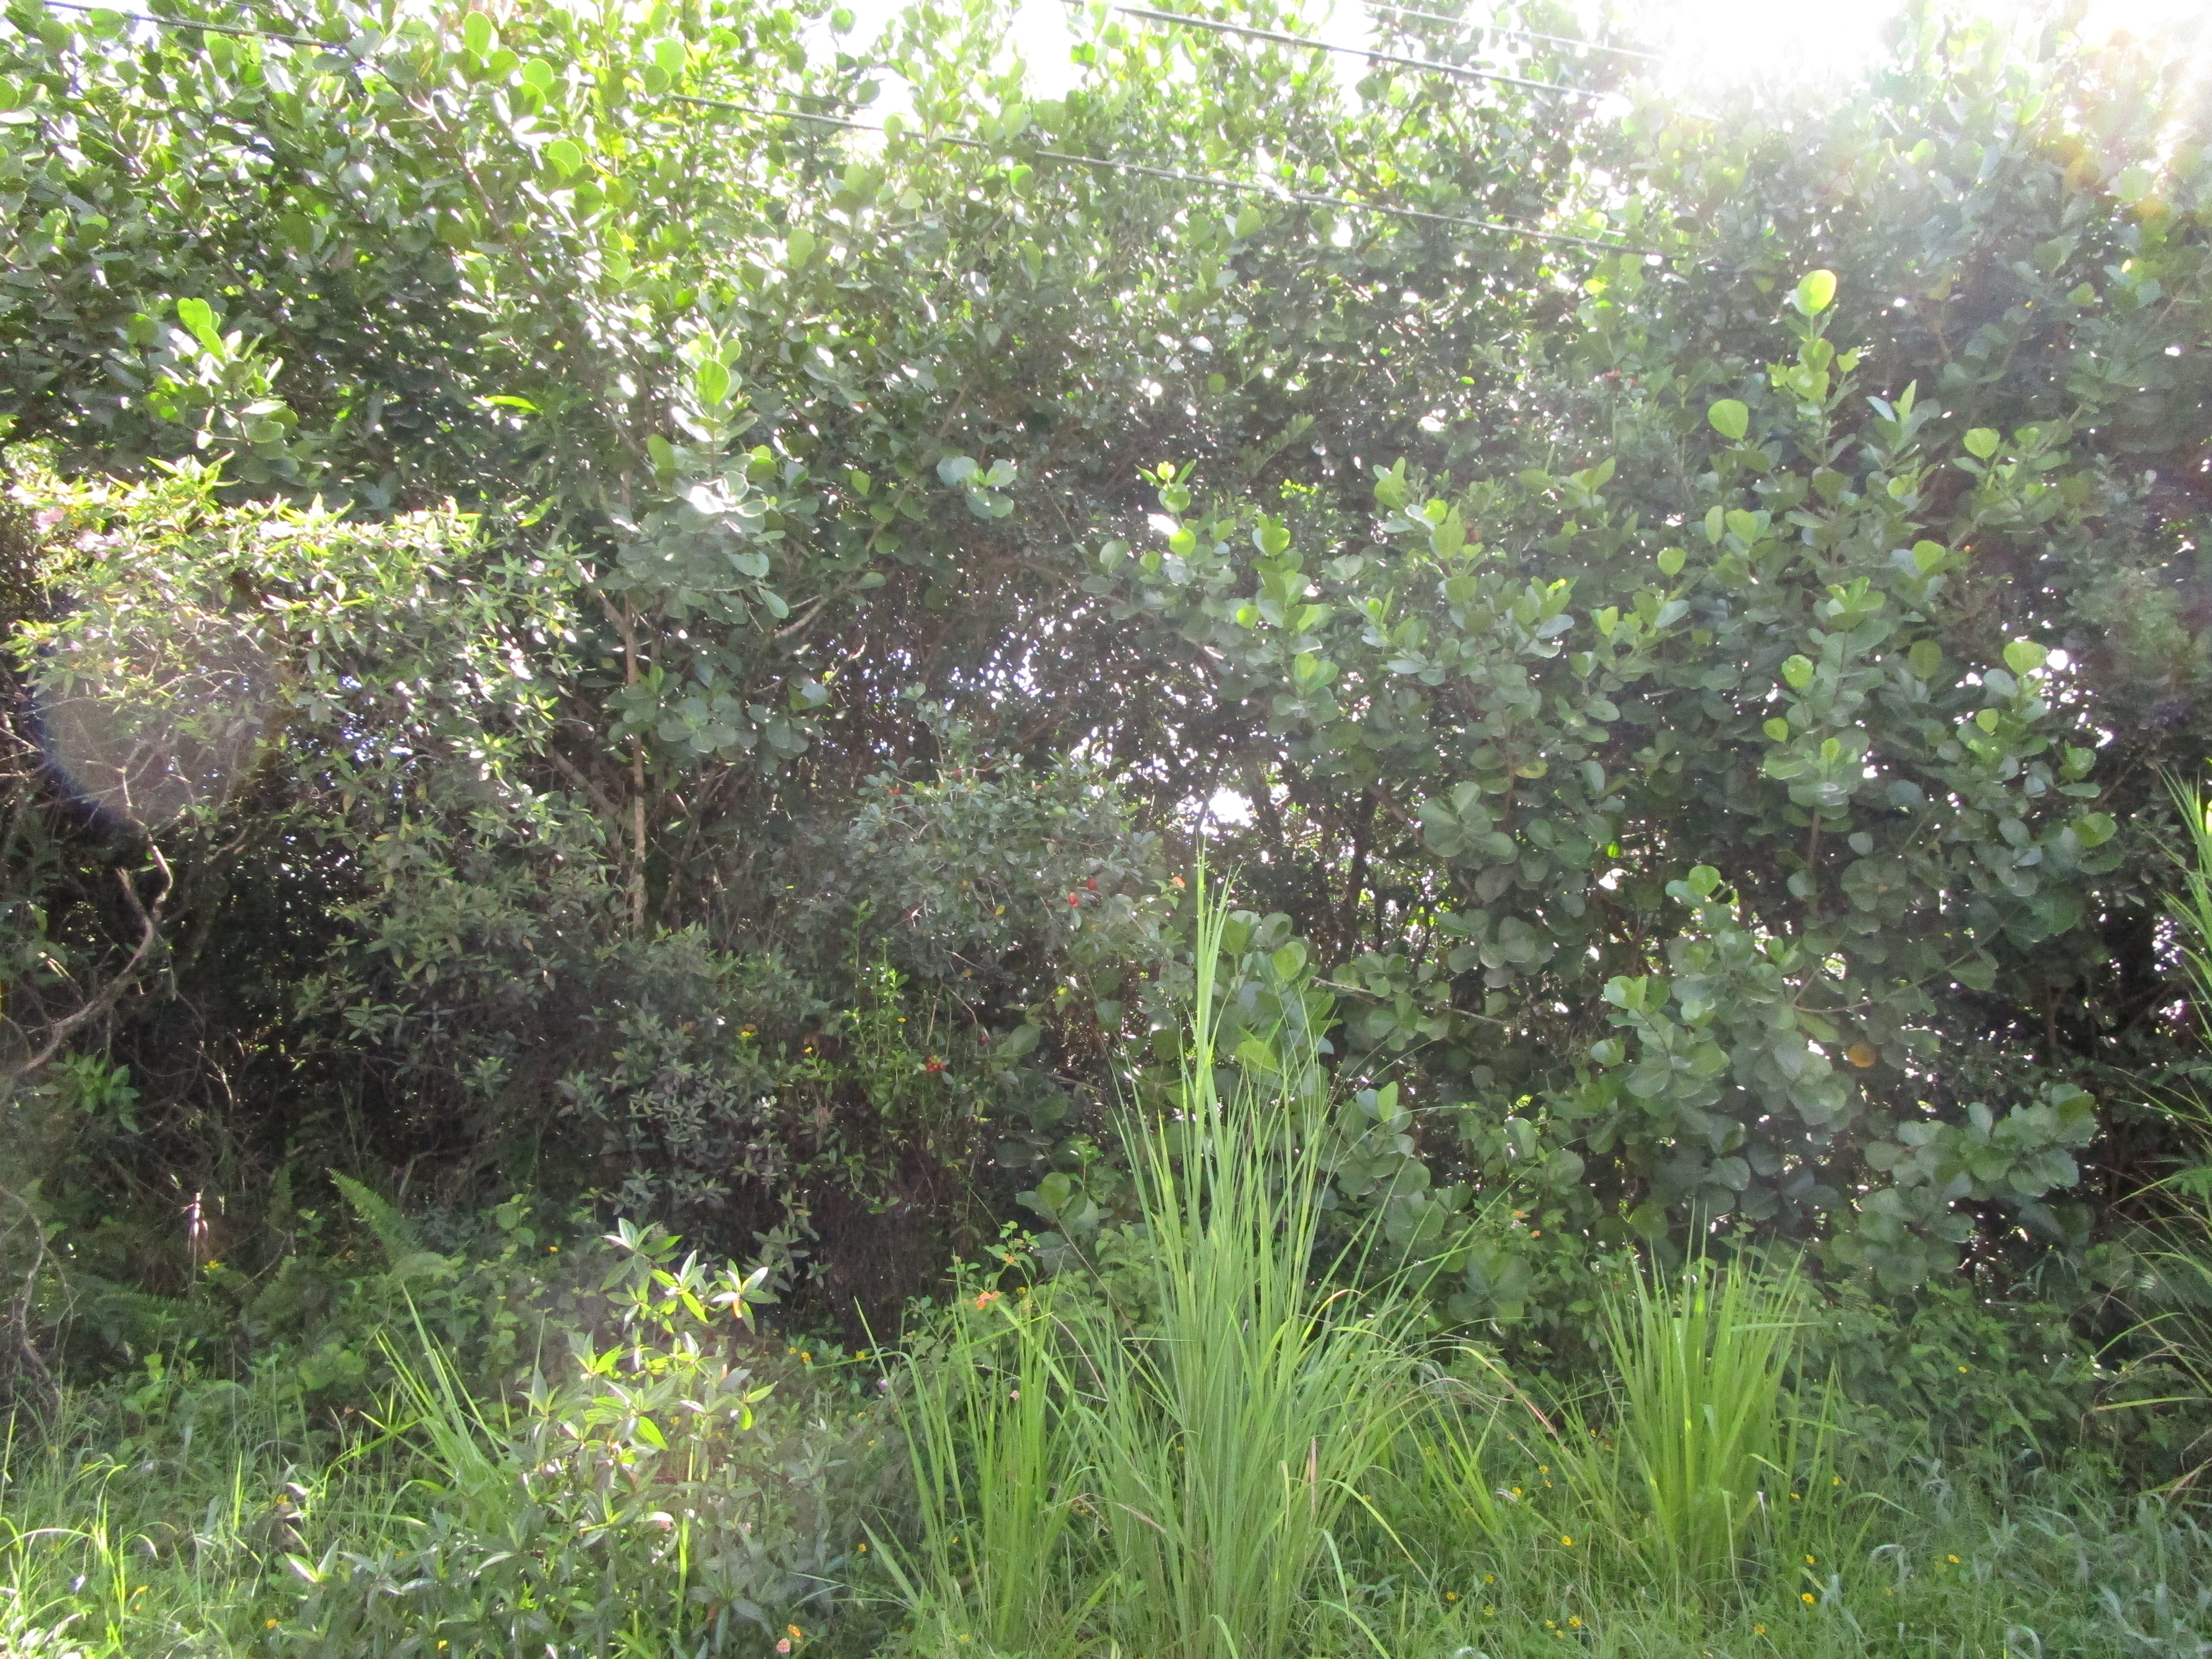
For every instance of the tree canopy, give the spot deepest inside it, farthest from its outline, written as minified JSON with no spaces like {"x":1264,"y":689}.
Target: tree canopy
{"x":586,"y":611}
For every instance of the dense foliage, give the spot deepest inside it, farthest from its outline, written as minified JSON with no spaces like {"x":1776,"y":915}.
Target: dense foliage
{"x":583,"y":620}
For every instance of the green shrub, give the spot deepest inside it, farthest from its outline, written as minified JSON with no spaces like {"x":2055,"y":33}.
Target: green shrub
{"x":650,"y":1494}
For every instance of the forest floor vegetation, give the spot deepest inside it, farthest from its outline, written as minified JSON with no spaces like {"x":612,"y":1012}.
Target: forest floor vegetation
{"x":1228,"y":1433}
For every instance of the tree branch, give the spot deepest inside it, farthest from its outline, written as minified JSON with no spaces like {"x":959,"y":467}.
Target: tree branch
{"x":150,"y":932}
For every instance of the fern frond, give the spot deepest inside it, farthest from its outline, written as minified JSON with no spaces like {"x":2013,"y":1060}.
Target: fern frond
{"x":393,"y":1232}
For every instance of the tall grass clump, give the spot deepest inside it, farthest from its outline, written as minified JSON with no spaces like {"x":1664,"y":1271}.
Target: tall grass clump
{"x":2170,"y":1291}
{"x":1706,"y":1459}
{"x":1699,"y":1467}
{"x":1161,"y":1457}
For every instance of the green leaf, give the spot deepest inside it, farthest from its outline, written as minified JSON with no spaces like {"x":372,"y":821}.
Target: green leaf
{"x":1926,"y":657}
{"x":564,"y":154}
{"x":798,"y":246}
{"x":1797,"y":671}
{"x":1390,"y":488}
{"x":1981,"y":442}
{"x":1730,"y":419}
{"x":2095,"y":829}
{"x":198,"y":319}
{"x":1814,"y":290}
{"x":711,"y":380}
{"x":2024,"y":656}
{"x":475,"y":33}
{"x":1257,"y":1056}
{"x":1671,"y":561}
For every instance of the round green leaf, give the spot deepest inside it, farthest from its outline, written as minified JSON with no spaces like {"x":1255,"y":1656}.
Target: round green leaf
{"x":2095,"y":829}
{"x":1981,"y":443}
{"x":1730,"y":419}
{"x":198,"y":319}
{"x":1814,"y":290}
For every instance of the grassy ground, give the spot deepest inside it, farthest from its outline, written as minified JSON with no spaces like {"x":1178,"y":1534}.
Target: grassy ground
{"x":176,"y":1517}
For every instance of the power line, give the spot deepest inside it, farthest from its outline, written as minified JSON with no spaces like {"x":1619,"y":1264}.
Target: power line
{"x":187,"y":23}
{"x":1177,"y":175}
{"x":793,"y":115}
{"x":1516,"y":34}
{"x":1427,"y":66}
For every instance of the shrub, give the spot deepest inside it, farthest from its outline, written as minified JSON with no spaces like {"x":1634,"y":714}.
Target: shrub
{"x":652,"y":1492}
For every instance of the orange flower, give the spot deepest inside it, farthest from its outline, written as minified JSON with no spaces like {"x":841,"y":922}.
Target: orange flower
{"x":987,"y":1299}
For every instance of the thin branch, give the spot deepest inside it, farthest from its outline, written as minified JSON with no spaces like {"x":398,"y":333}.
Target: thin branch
{"x":149,"y":926}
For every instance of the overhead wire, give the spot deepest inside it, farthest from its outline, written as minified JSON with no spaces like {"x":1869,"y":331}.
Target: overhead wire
{"x":1425,"y":65}
{"x":1270,"y":191}
{"x":1143,"y":169}
{"x":1516,"y":34}
{"x":189,"y":23}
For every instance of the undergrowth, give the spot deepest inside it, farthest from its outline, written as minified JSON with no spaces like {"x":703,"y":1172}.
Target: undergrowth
{"x":1225,"y":1431}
